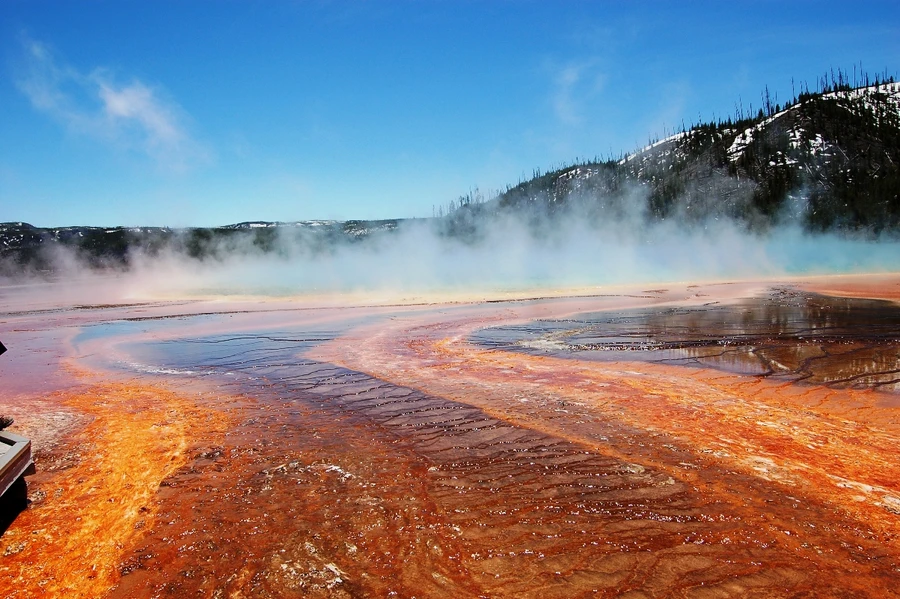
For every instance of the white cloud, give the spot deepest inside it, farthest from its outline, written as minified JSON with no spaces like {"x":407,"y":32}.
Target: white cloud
{"x":575,"y":87}
{"x":564,"y":104}
{"x":131,"y":115}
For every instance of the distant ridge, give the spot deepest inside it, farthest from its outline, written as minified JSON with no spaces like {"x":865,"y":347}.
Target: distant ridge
{"x":827,"y":161}
{"x":25,"y":248}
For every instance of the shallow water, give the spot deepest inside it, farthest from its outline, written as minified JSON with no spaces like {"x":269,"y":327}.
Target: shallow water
{"x":790,"y":335}
{"x":342,"y":484}
{"x":380,"y":453}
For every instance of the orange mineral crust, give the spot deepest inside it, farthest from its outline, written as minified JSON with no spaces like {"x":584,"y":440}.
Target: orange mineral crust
{"x":878,"y":286}
{"x":209,"y":449}
{"x":97,"y":492}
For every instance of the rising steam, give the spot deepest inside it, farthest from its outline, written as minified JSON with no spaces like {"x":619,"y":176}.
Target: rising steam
{"x":504,"y":251}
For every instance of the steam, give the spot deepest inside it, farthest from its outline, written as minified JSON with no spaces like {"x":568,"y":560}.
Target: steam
{"x":500,"y":251}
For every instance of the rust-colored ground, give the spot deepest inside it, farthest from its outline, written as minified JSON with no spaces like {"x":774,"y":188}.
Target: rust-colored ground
{"x":429,"y":466}
{"x":96,"y":492}
{"x":876,"y":286}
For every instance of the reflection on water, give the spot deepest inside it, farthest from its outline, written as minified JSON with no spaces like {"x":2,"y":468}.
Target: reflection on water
{"x":798,"y":336}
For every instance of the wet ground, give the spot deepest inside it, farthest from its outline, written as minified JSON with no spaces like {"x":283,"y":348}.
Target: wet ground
{"x":788,"y":334}
{"x":561,"y":447}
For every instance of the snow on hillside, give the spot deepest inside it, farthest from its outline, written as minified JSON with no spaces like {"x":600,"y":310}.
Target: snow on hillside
{"x":656,"y":144}
{"x":872,"y":98}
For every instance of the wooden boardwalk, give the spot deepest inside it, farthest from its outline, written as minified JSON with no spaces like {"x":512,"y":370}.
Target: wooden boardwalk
{"x":15,"y":459}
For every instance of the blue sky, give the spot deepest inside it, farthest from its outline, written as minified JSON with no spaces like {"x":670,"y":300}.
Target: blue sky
{"x":207,"y":113}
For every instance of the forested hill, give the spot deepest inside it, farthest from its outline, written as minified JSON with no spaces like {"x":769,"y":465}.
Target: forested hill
{"x":26,"y":249}
{"x":828,"y":161}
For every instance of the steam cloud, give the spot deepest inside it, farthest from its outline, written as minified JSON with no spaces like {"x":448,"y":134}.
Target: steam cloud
{"x":509,"y":251}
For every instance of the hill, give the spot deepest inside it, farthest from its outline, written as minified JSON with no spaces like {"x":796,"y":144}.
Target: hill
{"x":828,"y":161}
{"x":26,"y":249}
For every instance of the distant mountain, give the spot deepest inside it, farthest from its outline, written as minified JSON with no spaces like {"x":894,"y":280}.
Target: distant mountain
{"x":28,"y":249}
{"x":828,"y":161}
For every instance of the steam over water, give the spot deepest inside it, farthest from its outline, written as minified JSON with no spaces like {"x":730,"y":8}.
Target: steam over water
{"x":510,"y":256}
{"x":503,"y":254}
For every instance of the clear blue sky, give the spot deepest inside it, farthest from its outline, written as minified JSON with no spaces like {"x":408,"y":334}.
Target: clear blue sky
{"x":213,"y":112}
